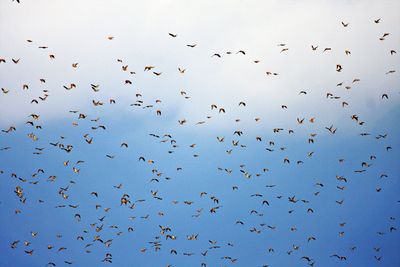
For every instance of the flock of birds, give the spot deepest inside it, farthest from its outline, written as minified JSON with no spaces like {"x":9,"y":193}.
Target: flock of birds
{"x":91,"y":236}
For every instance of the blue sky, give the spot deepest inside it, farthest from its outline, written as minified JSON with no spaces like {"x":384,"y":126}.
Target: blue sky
{"x":76,"y":32}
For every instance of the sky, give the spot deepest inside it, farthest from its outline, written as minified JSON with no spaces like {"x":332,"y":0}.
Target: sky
{"x":343,"y":183}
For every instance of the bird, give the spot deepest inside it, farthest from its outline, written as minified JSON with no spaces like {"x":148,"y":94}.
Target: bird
{"x":345,"y":24}
{"x":140,"y":162}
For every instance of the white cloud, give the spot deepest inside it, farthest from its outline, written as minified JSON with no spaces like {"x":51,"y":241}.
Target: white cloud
{"x":76,"y":31}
